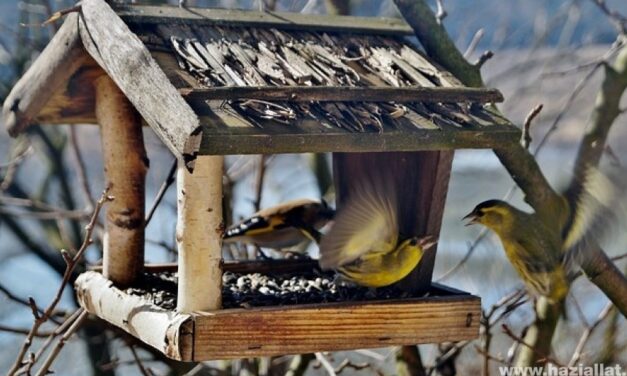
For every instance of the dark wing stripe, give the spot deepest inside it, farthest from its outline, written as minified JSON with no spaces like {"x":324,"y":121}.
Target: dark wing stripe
{"x":253,"y":223}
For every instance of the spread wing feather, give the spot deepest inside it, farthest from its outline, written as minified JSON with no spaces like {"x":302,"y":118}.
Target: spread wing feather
{"x":367,"y":223}
{"x":599,"y":211}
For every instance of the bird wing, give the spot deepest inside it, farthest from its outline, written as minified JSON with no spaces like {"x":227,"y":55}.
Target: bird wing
{"x":285,"y":207}
{"x":367,"y":223}
{"x":599,"y":210}
{"x":255,"y":225}
{"x":268,"y":220}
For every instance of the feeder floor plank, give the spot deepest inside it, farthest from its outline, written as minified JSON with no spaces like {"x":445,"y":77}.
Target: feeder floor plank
{"x":280,"y":330}
{"x":334,"y":327}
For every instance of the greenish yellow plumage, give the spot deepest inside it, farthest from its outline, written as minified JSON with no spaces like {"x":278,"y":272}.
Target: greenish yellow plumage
{"x":533,"y":249}
{"x":378,"y":270}
{"x":544,"y":250}
{"x":364,"y":244}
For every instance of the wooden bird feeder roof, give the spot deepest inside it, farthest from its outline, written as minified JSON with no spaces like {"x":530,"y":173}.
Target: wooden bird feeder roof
{"x":212,"y":82}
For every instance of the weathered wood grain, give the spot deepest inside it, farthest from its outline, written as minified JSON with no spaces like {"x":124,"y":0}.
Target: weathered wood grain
{"x":446,"y":315}
{"x":166,"y":331}
{"x":129,"y":63}
{"x":333,"y":327}
{"x":434,"y":190}
{"x":284,"y":20}
{"x":347,"y":94}
{"x":74,"y":102}
{"x":47,"y":76}
{"x":300,"y":138}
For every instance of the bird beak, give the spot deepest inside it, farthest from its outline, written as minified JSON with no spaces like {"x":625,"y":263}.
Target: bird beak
{"x":427,"y":242}
{"x":473,"y":219}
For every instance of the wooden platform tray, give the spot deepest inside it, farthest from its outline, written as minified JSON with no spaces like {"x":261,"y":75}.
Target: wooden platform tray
{"x":446,"y":315}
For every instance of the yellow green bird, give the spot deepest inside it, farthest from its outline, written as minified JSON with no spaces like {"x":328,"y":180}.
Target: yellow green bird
{"x":283,"y":226}
{"x":545,"y":251}
{"x":533,"y":248}
{"x":364,"y":244}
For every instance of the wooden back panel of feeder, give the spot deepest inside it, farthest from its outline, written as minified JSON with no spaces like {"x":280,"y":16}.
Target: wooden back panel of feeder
{"x":421,"y":179}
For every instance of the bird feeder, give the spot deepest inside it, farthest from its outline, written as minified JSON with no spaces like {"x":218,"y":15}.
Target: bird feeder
{"x":214,"y":82}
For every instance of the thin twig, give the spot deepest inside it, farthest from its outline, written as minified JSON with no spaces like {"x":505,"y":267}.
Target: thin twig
{"x":348,"y":364}
{"x":489,"y":356}
{"x":12,"y":166}
{"x":509,"y":303}
{"x":472,"y":46}
{"x":518,"y":339}
{"x":81,"y":169}
{"x":22,"y":301}
{"x":21,"y":155}
{"x":326,"y":364}
{"x":450,"y":353}
{"x":45,"y":368}
{"x":526,"y":134}
{"x":587,"y":333}
{"x":569,"y":102}
{"x":144,"y":371}
{"x":71,"y":263}
{"x":48,"y":215}
{"x":440,"y":13}
{"x":10,"y":329}
{"x":55,"y":16}
{"x":261,"y":172}
{"x":619,"y":257}
{"x":487,"y":55}
{"x":162,"y":190}
{"x":618,"y":19}
{"x":58,"y":331}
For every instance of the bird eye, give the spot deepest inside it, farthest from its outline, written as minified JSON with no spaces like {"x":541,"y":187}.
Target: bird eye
{"x":480,"y":213}
{"x":413,"y":241}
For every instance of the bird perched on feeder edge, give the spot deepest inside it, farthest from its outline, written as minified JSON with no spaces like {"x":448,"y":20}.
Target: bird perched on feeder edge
{"x":545,"y":251}
{"x":364,"y":244}
{"x":284,"y":225}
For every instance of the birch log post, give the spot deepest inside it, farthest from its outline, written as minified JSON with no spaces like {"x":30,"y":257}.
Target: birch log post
{"x":199,"y":235}
{"x":125,"y":165}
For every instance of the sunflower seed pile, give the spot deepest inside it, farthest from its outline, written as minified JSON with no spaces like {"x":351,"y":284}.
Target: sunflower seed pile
{"x":245,"y":56}
{"x":262,"y":290}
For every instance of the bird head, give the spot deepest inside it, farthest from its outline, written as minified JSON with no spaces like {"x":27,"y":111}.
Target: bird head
{"x":419,"y":244}
{"x":491,"y":213}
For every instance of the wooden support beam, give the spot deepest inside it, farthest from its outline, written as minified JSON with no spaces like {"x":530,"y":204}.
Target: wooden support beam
{"x":347,"y":94}
{"x":125,"y":165}
{"x":199,"y":235}
{"x":435,"y":180}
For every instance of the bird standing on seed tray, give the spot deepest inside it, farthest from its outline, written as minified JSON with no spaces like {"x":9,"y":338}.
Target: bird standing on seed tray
{"x":545,"y":251}
{"x":283,"y":226}
{"x":364,"y":244}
